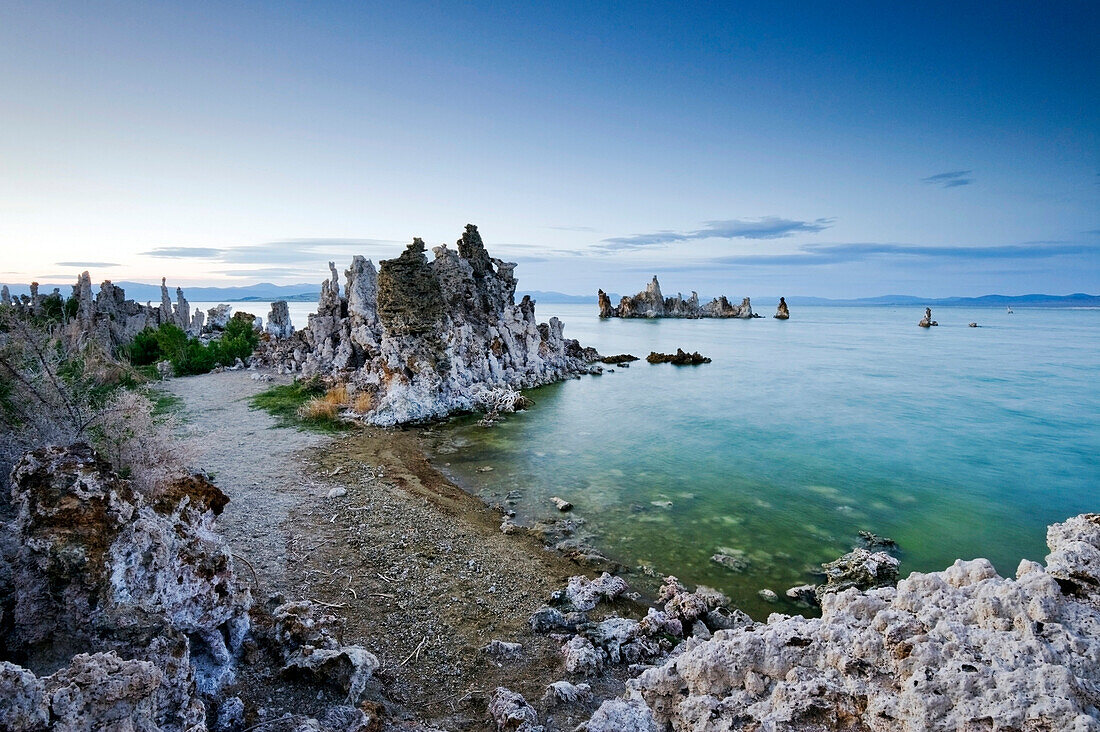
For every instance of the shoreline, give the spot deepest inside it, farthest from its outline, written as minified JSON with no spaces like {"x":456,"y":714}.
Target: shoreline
{"x":416,"y":568}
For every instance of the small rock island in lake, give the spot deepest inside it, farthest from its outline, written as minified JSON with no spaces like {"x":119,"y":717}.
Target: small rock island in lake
{"x":926,"y":321}
{"x":650,"y":303}
{"x":781,"y":312}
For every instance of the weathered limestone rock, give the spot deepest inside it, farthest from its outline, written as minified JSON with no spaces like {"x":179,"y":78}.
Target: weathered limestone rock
{"x":503,"y":650}
{"x":183,"y":313}
{"x":952,"y":650}
{"x":166,"y":314}
{"x":278,"y":320}
{"x":218,"y":317}
{"x":349,"y":667}
{"x":5,"y":296}
{"x":582,"y":594}
{"x":107,"y":317}
{"x":511,"y":712}
{"x":861,"y":569}
{"x":619,"y":715}
{"x":650,"y":303}
{"x":99,"y":691}
{"x":426,"y":338}
{"x":563,"y":692}
{"x":142,"y":580}
{"x":781,"y":312}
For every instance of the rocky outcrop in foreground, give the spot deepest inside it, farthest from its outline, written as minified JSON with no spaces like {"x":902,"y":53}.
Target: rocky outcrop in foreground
{"x":952,"y":650}
{"x":134,"y":598}
{"x":650,"y":303}
{"x":122,"y":610}
{"x":424,"y":339}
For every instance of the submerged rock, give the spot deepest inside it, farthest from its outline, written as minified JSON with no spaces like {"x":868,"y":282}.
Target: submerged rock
{"x":861,"y":569}
{"x":650,"y":303}
{"x":958,"y":649}
{"x":680,"y":358}
{"x":622,"y":358}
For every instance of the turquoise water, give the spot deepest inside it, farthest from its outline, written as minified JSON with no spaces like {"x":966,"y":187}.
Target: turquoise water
{"x":955,"y":441}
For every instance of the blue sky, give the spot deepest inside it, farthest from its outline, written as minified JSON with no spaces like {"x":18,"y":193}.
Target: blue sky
{"x":833,"y":149}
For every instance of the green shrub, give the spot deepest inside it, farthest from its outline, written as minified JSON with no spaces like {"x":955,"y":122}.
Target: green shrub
{"x":189,"y":356}
{"x":144,"y":350}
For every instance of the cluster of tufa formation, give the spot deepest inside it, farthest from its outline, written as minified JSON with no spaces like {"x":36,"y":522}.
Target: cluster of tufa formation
{"x":952,"y":650}
{"x":650,"y":303}
{"x":107,"y":317}
{"x":423,"y":339}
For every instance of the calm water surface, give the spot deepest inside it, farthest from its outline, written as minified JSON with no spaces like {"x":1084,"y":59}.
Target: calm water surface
{"x":955,"y":441}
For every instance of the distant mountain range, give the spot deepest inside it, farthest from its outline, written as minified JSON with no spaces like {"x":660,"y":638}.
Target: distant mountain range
{"x":1078,"y":299}
{"x":262,"y":292}
{"x":307,"y":292}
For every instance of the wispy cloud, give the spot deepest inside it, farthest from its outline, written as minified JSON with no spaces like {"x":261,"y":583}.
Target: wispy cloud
{"x":184,"y":252}
{"x":585,"y":229}
{"x":950,"y":179}
{"x":826,"y":254}
{"x":287,"y":251}
{"x":86,"y":264}
{"x":274,"y":272}
{"x":769,"y":227}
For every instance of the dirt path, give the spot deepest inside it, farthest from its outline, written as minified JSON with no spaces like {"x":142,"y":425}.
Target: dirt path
{"x":257,"y":464}
{"x":417,"y":568}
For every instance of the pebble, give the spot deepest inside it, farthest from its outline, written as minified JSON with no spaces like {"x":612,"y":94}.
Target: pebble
{"x":768,"y":595}
{"x":337,"y":492}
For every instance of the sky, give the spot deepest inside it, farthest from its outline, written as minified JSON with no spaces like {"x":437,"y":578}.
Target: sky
{"x":827,"y":149}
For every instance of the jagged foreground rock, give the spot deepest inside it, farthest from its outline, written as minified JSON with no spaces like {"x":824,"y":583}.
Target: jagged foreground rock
{"x":962,"y":649}
{"x":123,"y":611}
{"x":650,"y":303}
{"x":426,"y":339}
{"x":144,"y":584}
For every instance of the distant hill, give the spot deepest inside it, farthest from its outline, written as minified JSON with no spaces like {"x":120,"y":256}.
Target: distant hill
{"x":262,"y":292}
{"x":1078,"y":299}
{"x":560,"y":297}
{"x":306,"y":292}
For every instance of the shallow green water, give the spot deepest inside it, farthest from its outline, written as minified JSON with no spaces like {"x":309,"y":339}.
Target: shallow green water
{"x":955,"y":441}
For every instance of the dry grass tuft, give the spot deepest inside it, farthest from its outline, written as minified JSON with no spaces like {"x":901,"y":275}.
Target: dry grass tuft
{"x":337,"y":395}
{"x":363,"y":402}
{"x":319,"y":409}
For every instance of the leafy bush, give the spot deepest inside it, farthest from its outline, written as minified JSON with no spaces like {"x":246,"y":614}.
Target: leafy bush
{"x":189,"y":356}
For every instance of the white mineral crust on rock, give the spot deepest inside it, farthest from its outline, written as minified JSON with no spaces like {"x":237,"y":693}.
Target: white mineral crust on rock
{"x":959,"y":649}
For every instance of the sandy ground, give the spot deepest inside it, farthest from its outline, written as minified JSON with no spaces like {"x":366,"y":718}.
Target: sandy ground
{"x":418,"y":569}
